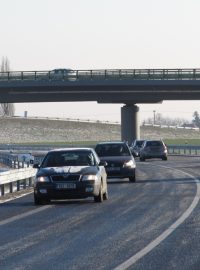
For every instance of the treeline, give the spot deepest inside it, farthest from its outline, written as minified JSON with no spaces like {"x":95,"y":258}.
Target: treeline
{"x":6,"y":109}
{"x":161,"y":120}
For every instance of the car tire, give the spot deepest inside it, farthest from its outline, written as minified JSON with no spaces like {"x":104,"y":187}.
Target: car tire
{"x":105,"y":195}
{"x":39,"y":201}
{"x":132,"y":178}
{"x":99,"y":198}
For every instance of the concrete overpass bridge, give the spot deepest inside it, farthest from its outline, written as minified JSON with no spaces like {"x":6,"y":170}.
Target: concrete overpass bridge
{"x":125,"y":86}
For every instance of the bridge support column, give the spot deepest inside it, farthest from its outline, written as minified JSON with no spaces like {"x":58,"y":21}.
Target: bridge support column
{"x":130,"y":126}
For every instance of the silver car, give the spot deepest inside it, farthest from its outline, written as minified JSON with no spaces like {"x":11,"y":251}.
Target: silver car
{"x":70,"y":173}
{"x":153,"y":149}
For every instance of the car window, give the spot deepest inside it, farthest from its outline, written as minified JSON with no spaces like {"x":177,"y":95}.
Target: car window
{"x":69,"y":158}
{"x":139,"y":143}
{"x":154,"y":143}
{"x":112,"y":150}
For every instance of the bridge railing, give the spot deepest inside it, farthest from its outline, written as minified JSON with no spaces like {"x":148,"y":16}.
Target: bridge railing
{"x":118,"y":74}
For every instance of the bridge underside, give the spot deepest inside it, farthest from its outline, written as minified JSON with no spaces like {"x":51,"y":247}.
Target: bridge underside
{"x":122,"y":92}
{"x":111,"y":92}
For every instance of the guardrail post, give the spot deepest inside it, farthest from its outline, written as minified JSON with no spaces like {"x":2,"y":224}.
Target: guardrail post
{"x":18,"y":185}
{"x":11,"y":187}
{"x":30,"y":182}
{"x":2,"y":190}
{"x":24,"y":184}
{"x":15,"y":163}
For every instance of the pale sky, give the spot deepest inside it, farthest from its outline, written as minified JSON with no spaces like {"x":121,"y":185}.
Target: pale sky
{"x":98,"y":34}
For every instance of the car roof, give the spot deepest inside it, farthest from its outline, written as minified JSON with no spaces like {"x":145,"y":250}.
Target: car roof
{"x":113,"y":142}
{"x":154,"y":140}
{"x":62,"y":69}
{"x":72,"y":149}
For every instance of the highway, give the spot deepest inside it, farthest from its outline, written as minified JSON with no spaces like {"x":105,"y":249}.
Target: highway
{"x":151,"y":224}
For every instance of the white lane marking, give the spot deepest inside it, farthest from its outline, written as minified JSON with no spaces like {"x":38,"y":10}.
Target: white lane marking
{"x":15,"y":197}
{"x":23,"y":215}
{"x":167,"y":232}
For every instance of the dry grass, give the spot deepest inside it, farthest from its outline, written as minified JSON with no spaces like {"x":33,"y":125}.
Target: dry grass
{"x":21,"y":130}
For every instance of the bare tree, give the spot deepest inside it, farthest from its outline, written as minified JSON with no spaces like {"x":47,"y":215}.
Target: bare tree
{"x":160,"y":120}
{"x":6,"y":109}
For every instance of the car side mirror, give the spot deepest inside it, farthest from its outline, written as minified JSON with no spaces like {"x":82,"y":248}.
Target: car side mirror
{"x":36,"y":166}
{"x":103,"y":163}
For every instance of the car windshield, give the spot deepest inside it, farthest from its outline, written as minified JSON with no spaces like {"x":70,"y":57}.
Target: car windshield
{"x":139,"y":143}
{"x":69,"y":158}
{"x":154,"y":143}
{"x":112,"y":150}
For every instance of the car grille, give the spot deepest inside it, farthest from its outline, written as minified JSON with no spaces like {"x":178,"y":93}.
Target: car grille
{"x":65,"y":177}
{"x":114,"y":164}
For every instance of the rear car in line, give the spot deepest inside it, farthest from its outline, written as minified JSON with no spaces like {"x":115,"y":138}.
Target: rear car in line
{"x":136,"y":146}
{"x":70,"y":173}
{"x":120,"y":161}
{"x":153,"y":149}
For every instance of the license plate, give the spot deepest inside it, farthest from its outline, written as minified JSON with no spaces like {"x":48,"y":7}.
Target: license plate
{"x":110,"y":169}
{"x":66,"y":186}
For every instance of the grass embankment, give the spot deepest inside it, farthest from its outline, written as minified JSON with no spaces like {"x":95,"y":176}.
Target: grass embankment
{"x":182,"y":141}
{"x":61,"y":133}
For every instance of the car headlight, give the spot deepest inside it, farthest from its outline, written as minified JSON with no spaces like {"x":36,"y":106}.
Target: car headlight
{"x":42,"y":179}
{"x":89,"y":177}
{"x":129,"y":164}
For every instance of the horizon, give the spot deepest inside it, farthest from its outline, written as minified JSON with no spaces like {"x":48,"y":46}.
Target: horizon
{"x":101,"y":34}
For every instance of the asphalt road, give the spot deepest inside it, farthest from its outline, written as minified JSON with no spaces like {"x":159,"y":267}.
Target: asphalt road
{"x":151,"y":224}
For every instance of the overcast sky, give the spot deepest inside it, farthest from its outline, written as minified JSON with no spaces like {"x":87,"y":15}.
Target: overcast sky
{"x":93,"y":34}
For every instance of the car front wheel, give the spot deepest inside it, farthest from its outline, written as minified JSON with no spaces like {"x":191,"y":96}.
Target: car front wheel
{"x":132,"y":178}
{"x":99,"y":198}
{"x":105,"y":195}
{"x":39,"y":201}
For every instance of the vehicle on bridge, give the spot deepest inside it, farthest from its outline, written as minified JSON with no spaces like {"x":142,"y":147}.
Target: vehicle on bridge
{"x":70,"y":173}
{"x":120,"y":161}
{"x":63,"y":74}
{"x":153,"y":149}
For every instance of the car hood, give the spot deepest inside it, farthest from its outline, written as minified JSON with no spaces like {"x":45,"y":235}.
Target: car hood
{"x":68,"y":169}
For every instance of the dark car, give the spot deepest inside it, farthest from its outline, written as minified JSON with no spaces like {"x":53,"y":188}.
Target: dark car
{"x":70,"y":173}
{"x":153,"y":149}
{"x":63,"y":73}
{"x":120,"y":161}
{"x":136,"y":146}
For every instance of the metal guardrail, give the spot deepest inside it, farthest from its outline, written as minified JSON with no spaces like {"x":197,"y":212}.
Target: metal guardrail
{"x":13,"y":161}
{"x":184,"y":150}
{"x":102,"y":74}
{"x":16,"y":180}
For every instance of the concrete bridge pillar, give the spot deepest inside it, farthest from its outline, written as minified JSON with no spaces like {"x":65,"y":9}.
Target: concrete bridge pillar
{"x":130,"y":126}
